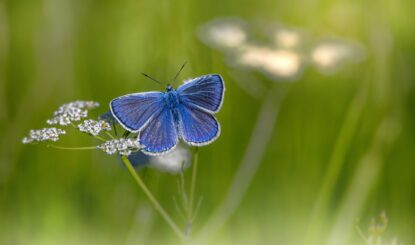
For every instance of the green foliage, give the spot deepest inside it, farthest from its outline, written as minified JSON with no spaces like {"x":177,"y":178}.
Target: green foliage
{"x":341,"y":147}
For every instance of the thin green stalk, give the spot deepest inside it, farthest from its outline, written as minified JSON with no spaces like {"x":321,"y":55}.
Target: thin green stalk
{"x":192,"y":194}
{"x":336,"y":162}
{"x":72,"y":148}
{"x":153,"y":200}
{"x":110,"y":135}
{"x":193,"y":183}
{"x":260,"y":138}
{"x":100,"y":138}
{"x":115,"y":128}
{"x":364,"y":179}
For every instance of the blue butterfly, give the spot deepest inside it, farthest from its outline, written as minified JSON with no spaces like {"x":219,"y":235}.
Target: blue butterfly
{"x":161,"y":119}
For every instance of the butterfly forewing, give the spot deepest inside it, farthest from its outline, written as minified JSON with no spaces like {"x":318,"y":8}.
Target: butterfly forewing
{"x":205,"y":92}
{"x":134,"y":111}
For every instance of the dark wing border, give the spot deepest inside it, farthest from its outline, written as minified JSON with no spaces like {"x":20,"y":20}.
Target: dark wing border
{"x":181,"y":90}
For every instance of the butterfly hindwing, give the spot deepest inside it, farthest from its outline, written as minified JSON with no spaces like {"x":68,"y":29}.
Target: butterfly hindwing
{"x":134,"y":111}
{"x":197,"y":127}
{"x":160,"y":135}
{"x":205,"y":92}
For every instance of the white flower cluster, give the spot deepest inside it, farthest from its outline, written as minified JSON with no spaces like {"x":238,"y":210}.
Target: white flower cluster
{"x":122,"y":146}
{"x":93,"y":127}
{"x":72,"y":112}
{"x":43,"y":135}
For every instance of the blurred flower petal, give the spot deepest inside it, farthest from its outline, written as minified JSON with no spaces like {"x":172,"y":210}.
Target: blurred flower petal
{"x":224,"y":34}
{"x":288,"y":37}
{"x":276,"y":63}
{"x":329,"y":55}
{"x":172,"y":162}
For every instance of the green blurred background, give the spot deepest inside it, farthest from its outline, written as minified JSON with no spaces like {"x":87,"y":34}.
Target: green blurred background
{"x":358,"y":122}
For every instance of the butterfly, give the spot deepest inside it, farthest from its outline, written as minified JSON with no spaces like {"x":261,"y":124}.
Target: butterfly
{"x":162,"y":118}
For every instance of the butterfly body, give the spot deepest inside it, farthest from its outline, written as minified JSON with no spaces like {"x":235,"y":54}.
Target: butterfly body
{"x":161,"y":119}
{"x":172,"y":98}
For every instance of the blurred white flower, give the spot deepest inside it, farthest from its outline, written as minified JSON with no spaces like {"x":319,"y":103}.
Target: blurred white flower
{"x":287,"y":38}
{"x":71,"y":112}
{"x":44,"y":134}
{"x":277,"y":63}
{"x":122,"y":146}
{"x":329,"y":55}
{"x":172,"y":162}
{"x":276,"y":50}
{"x":94,"y":127}
{"x":224,"y":33}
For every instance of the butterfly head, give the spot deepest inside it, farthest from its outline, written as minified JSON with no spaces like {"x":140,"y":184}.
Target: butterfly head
{"x":169,"y":88}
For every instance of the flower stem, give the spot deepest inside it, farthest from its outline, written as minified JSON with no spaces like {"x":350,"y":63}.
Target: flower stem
{"x":110,"y":135}
{"x":335,"y":165}
{"x":115,"y":128}
{"x":72,"y":148}
{"x":192,"y":194}
{"x":193,"y":183}
{"x":260,"y":138}
{"x":100,"y":138}
{"x":153,"y":200}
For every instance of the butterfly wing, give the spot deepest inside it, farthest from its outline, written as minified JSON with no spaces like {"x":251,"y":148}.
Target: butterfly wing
{"x":197,"y":127}
{"x":201,"y":97}
{"x":134,"y":111}
{"x":160,"y":135}
{"x":205,"y":92}
{"x":138,"y":159}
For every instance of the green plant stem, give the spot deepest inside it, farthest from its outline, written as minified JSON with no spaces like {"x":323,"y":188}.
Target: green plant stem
{"x":260,"y":138}
{"x":100,"y":138}
{"x":115,"y":128}
{"x":336,"y":162}
{"x":153,"y":200}
{"x":193,"y":183}
{"x":192,"y":194}
{"x":110,"y":135}
{"x":72,"y":148}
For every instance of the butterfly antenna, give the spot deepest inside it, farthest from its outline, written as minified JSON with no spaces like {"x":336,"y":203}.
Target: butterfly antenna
{"x":177,"y":74}
{"x":155,"y":80}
